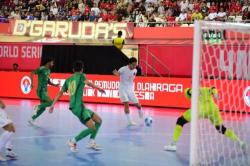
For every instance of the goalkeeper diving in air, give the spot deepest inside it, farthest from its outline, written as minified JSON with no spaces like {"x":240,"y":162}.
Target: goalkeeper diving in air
{"x":208,"y":109}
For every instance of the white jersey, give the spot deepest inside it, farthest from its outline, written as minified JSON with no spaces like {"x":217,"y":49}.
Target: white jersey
{"x":4,"y":120}
{"x":126,"y":87}
{"x":127,"y":77}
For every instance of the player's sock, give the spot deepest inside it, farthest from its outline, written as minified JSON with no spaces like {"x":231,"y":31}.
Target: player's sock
{"x":40,"y":109}
{"x":4,"y":138}
{"x":2,"y":159}
{"x":176,"y":137}
{"x":177,"y":133}
{"x":73,"y":140}
{"x":9,"y":144}
{"x":230,"y":134}
{"x":129,"y":119}
{"x":97,"y":126}
{"x":140,"y":113}
{"x":83,"y":134}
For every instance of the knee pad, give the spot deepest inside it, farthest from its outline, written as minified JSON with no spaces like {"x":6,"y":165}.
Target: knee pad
{"x":221,"y":129}
{"x":181,"y":121}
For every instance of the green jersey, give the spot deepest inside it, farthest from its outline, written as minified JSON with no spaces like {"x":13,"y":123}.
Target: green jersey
{"x":206,"y":94}
{"x":43,"y":77}
{"x":207,"y":107}
{"x":74,"y":85}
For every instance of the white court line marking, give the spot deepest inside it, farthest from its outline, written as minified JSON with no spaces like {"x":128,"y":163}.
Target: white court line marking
{"x":108,"y":134}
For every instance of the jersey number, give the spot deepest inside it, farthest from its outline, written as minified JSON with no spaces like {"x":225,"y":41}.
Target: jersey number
{"x":72,"y":88}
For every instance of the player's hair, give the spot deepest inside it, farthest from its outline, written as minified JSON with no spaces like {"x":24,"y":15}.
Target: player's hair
{"x":78,"y":66}
{"x":132,"y":60}
{"x":119,"y":33}
{"x":15,"y":64}
{"x":47,"y":60}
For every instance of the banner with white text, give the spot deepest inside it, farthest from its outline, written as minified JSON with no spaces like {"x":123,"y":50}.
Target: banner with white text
{"x":26,"y":55}
{"x":151,"y":91}
{"x":71,"y":29}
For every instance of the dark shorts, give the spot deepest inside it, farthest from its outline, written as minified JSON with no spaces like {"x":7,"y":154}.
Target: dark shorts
{"x":84,"y":114}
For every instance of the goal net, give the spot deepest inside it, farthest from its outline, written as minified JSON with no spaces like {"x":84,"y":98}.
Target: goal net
{"x":221,"y":72}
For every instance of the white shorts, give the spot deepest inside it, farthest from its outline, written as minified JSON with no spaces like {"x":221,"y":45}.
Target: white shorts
{"x":127,"y":96}
{"x":4,"y":120}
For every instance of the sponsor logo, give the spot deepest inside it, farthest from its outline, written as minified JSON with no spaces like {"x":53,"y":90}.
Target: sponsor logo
{"x":76,"y":30}
{"x":26,"y":85}
{"x":247,"y":96}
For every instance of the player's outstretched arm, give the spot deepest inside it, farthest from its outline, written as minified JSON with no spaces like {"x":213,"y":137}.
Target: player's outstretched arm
{"x":116,"y":73}
{"x":90,"y":84}
{"x":58,"y":96}
{"x":2,"y":105}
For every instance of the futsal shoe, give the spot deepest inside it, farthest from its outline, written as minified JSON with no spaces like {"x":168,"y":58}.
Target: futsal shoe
{"x":92,"y":145}
{"x":243,"y":146}
{"x":2,"y":159}
{"x":11,"y":154}
{"x":172,"y":147}
{"x":31,"y":122}
{"x":131,"y":123}
{"x":72,"y":146}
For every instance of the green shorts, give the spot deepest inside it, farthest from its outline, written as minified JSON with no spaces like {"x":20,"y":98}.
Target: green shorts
{"x":207,"y":111}
{"x":43,"y":96}
{"x":84,"y":114}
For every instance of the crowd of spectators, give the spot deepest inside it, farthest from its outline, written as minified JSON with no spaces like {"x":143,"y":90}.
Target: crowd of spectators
{"x":141,"y":12}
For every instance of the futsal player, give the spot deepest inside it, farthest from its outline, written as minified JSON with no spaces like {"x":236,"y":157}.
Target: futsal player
{"x":6,"y":136}
{"x":126,"y":88}
{"x":74,"y":85}
{"x":42,"y":91}
{"x":208,"y":109}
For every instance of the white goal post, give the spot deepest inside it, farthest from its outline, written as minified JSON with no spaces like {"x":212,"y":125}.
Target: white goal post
{"x":221,"y":59}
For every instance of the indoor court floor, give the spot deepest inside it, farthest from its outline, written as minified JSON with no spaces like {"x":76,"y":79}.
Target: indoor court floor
{"x":44,"y":144}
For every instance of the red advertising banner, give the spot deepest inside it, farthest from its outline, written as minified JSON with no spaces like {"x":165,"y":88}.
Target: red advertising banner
{"x":163,"y":33}
{"x":234,"y":95}
{"x":26,"y":55}
{"x":151,"y":91}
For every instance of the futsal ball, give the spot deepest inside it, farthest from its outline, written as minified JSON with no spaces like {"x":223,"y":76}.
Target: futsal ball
{"x":148,"y":121}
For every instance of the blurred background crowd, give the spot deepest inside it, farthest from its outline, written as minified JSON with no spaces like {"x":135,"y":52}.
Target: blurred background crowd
{"x":142,"y":13}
